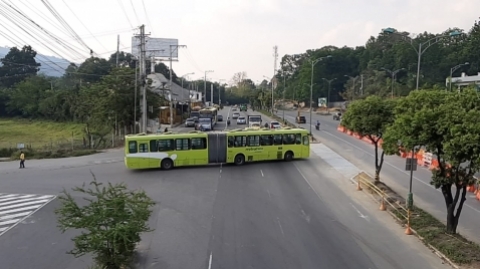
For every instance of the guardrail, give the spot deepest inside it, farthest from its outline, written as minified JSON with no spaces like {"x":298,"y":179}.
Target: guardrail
{"x":387,"y":201}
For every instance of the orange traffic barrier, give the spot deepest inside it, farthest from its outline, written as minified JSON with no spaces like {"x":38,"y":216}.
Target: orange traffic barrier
{"x":357,"y":136}
{"x":434,"y":164}
{"x":349,"y":132}
{"x":471,"y":188}
{"x":341,"y":128}
{"x":367,"y":139}
{"x":478,"y":195}
{"x":420,"y":160}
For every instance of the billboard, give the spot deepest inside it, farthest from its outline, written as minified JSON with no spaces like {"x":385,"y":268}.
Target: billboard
{"x":322,"y":102}
{"x":155,"y":47}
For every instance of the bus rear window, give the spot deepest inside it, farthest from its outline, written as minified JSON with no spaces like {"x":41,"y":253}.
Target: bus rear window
{"x":132,"y":147}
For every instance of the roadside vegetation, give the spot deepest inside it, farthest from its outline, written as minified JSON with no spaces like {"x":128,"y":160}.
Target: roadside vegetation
{"x":111,"y":222}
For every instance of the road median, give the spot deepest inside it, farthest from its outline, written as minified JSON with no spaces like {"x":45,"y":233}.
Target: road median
{"x":455,"y":249}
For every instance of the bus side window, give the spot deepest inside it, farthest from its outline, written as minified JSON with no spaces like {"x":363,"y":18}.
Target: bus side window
{"x":143,"y":147}
{"x":182,"y":144}
{"x":305,"y":141}
{"x":153,"y":145}
{"x":288,"y":139}
{"x":253,"y":140}
{"x":231,"y":141}
{"x":165,"y":145}
{"x":132,"y":147}
{"x":298,"y":139}
{"x":266,"y":140}
{"x":199,"y":143}
{"x":277,"y":139}
{"x":240,"y":141}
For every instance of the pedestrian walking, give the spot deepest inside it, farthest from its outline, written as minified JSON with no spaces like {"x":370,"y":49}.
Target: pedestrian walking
{"x":22,"y":159}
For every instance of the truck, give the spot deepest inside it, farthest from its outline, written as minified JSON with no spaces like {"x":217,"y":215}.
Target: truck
{"x":253,"y":120}
{"x":243,"y":107}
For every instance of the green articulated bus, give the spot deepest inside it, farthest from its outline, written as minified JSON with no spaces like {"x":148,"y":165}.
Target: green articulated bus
{"x":168,"y":150}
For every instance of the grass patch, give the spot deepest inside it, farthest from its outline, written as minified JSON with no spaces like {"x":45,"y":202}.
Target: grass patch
{"x":42,"y":139}
{"x":52,"y":154}
{"x":37,"y":134}
{"x":456,"y":248}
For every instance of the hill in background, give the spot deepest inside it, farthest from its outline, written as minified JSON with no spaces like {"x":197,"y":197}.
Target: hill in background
{"x":50,"y":65}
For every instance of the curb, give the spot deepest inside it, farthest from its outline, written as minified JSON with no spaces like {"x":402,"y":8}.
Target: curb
{"x":435,"y":250}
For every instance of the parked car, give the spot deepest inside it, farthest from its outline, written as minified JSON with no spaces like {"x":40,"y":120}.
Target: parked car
{"x":275,"y":125}
{"x":337,"y":116}
{"x":300,"y":119}
{"x":190,"y":122}
{"x":236,"y":115}
{"x":219,"y":118}
{"x":241,"y":120}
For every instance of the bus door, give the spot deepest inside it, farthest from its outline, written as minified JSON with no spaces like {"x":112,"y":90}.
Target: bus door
{"x":278,"y":146}
{"x":217,"y":148}
{"x":305,"y":146}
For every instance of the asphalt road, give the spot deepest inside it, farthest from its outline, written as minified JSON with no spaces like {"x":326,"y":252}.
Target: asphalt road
{"x":393,"y":173}
{"x":302,"y":214}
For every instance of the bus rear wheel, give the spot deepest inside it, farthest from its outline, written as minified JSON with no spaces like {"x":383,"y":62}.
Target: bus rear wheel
{"x":166,"y":164}
{"x":288,"y":156}
{"x":239,"y":159}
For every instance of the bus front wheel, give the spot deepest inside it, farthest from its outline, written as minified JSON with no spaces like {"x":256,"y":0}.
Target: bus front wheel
{"x":167,"y":164}
{"x":288,"y":156}
{"x":239,"y":159}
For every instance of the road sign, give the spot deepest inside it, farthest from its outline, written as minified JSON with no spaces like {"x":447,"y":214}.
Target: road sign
{"x":411,"y":164}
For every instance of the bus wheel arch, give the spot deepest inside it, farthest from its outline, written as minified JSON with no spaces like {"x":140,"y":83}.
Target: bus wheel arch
{"x":288,"y":156}
{"x":239,"y":159}
{"x":166,"y":164}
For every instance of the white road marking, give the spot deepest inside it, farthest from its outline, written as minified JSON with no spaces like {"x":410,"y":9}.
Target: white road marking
{"x":394,"y":167}
{"x":261,"y":172}
{"x":359,"y":213}
{"x":15,"y":208}
{"x":210,"y":261}
{"x":280,"y":225}
{"x":386,"y":162}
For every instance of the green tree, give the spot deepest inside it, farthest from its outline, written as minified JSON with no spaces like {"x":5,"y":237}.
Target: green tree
{"x":27,"y":96}
{"x":111,"y":222}
{"x":93,"y":69}
{"x":445,"y":124}
{"x":17,"y":65}
{"x":370,"y":118}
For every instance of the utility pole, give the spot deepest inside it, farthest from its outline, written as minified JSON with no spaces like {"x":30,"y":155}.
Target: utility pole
{"x":275,"y":55}
{"x":211,"y":94}
{"x":135,"y":99}
{"x":172,"y":49}
{"x":205,"y":85}
{"x":143,"y":74}
{"x":118,"y":50}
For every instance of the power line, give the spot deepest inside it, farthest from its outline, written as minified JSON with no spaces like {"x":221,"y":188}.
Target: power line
{"x":65,"y":24}
{"x":134,"y":11}
{"x":83,"y":24}
{"x":23,"y":17}
{"x":146,"y":15}
{"x":125,"y":13}
{"x":16,"y":42}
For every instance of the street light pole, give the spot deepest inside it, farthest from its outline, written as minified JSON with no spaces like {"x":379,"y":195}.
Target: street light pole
{"x":393,"y":74}
{"x":354,"y":83}
{"x":314,"y":62}
{"x":422,"y":47}
{"x":183,"y":91}
{"x":453,"y":69}
{"x":205,"y":85}
{"x":329,"y":87}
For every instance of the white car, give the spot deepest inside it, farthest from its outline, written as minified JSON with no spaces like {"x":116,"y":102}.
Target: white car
{"x":241,"y":120}
{"x":236,"y":115}
{"x":275,"y":125}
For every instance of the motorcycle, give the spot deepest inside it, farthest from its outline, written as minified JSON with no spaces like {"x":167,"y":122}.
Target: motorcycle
{"x":317,"y":127}
{"x":228,"y":122}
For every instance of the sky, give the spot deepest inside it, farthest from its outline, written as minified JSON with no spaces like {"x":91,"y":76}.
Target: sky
{"x":226,"y":36}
